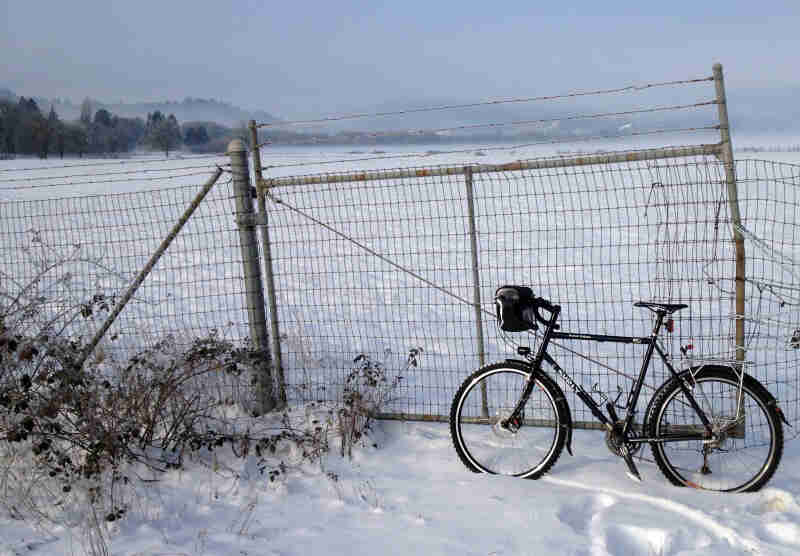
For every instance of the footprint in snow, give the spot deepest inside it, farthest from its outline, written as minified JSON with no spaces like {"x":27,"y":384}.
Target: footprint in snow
{"x":578,"y":516}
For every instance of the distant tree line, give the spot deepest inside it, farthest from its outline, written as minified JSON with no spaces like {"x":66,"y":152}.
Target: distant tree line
{"x":25,"y":130}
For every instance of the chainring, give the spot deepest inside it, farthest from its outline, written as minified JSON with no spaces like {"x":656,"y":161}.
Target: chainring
{"x":614,"y":441}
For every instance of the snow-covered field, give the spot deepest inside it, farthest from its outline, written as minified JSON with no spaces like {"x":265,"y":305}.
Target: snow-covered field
{"x":405,"y":490}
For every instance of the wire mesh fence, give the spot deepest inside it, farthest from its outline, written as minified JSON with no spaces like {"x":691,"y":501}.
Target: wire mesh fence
{"x":395,"y":269}
{"x":381,"y":272}
{"x":384,"y":266}
{"x":769,"y":197}
{"x":377,"y":263}
{"x":69,"y":260}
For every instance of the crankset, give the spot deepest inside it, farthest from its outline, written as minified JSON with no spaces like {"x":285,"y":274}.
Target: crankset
{"x":614,"y":441}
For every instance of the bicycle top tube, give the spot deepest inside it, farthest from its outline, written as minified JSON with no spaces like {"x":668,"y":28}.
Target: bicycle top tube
{"x":660,"y":309}
{"x":602,"y":338}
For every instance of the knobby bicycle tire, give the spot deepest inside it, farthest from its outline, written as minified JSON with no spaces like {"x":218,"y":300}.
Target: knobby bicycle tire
{"x":488,"y":396}
{"x":751,"y":444}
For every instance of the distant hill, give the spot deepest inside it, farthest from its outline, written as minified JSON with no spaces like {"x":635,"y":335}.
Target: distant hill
{"x":189,"y":109}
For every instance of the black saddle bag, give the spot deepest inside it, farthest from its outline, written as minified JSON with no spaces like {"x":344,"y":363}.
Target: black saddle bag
{"x":515,"y":306}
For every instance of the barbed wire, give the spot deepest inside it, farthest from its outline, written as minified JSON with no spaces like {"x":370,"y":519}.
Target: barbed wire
{"x":110,"y":163}
{"x":495,"y":148}
{"x":575,"y":117}
{"x":629,"y":88}
{"x":120,"y":173}
{"x":88,"y":182}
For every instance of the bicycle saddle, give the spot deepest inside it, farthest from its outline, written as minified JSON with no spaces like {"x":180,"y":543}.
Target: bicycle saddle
{"x":667,"y":307}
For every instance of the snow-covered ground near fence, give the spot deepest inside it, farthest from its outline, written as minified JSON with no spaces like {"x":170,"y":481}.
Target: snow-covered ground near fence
{"x":406,"y":492}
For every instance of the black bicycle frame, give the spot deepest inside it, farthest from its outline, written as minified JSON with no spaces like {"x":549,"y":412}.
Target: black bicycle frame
{"x":633,"y":396}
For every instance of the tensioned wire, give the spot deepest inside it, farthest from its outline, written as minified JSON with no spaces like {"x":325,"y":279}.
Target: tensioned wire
{"x":110,"y":180}
{"x":540,"y":121}
{"x":626,"y":89}
{"x":424,"y":280}
{"x":120,"y":173}
{"x":137,"y":161}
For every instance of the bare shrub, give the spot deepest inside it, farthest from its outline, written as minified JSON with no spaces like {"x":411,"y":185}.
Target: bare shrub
{"x":367,"y":389}
{"x":71,"y":435}
{"x":76,"y":441}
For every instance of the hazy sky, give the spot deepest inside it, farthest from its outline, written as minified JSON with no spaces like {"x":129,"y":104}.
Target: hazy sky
{"x":296,"y":58}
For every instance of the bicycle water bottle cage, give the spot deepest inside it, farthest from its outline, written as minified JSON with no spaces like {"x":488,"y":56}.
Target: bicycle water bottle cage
{"x":515,"y":306}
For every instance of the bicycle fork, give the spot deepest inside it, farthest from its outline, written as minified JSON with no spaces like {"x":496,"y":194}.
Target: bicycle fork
{"x":514,"y":421}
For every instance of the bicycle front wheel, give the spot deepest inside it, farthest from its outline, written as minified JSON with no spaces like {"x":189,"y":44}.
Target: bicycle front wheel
{"x":749,"y":441}
{"x":485,"y":400}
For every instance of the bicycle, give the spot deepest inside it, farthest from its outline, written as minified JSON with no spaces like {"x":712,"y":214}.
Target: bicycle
{"x":710,"y":426}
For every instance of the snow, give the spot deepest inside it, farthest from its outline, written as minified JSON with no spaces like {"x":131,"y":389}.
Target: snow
{"x":406,"y":492}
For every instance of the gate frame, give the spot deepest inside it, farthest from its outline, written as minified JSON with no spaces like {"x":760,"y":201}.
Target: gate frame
{"x":723,"y":151}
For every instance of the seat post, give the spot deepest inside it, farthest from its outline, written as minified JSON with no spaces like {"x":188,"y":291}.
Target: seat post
{"x":660,"y":314}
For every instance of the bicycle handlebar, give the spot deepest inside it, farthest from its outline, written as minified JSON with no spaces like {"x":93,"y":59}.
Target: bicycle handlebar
{"x":547,"y":306}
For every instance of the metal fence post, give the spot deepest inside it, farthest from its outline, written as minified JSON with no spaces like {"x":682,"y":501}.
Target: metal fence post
{"x":269,"y":273}
{"x":476,"y":281}
{"x":726,"y":152}
{"x":254,"y":291}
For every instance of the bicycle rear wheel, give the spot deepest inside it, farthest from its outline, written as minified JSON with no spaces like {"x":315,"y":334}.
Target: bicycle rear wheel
{"x":488,"y":397}
{"x":750,"y":444}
